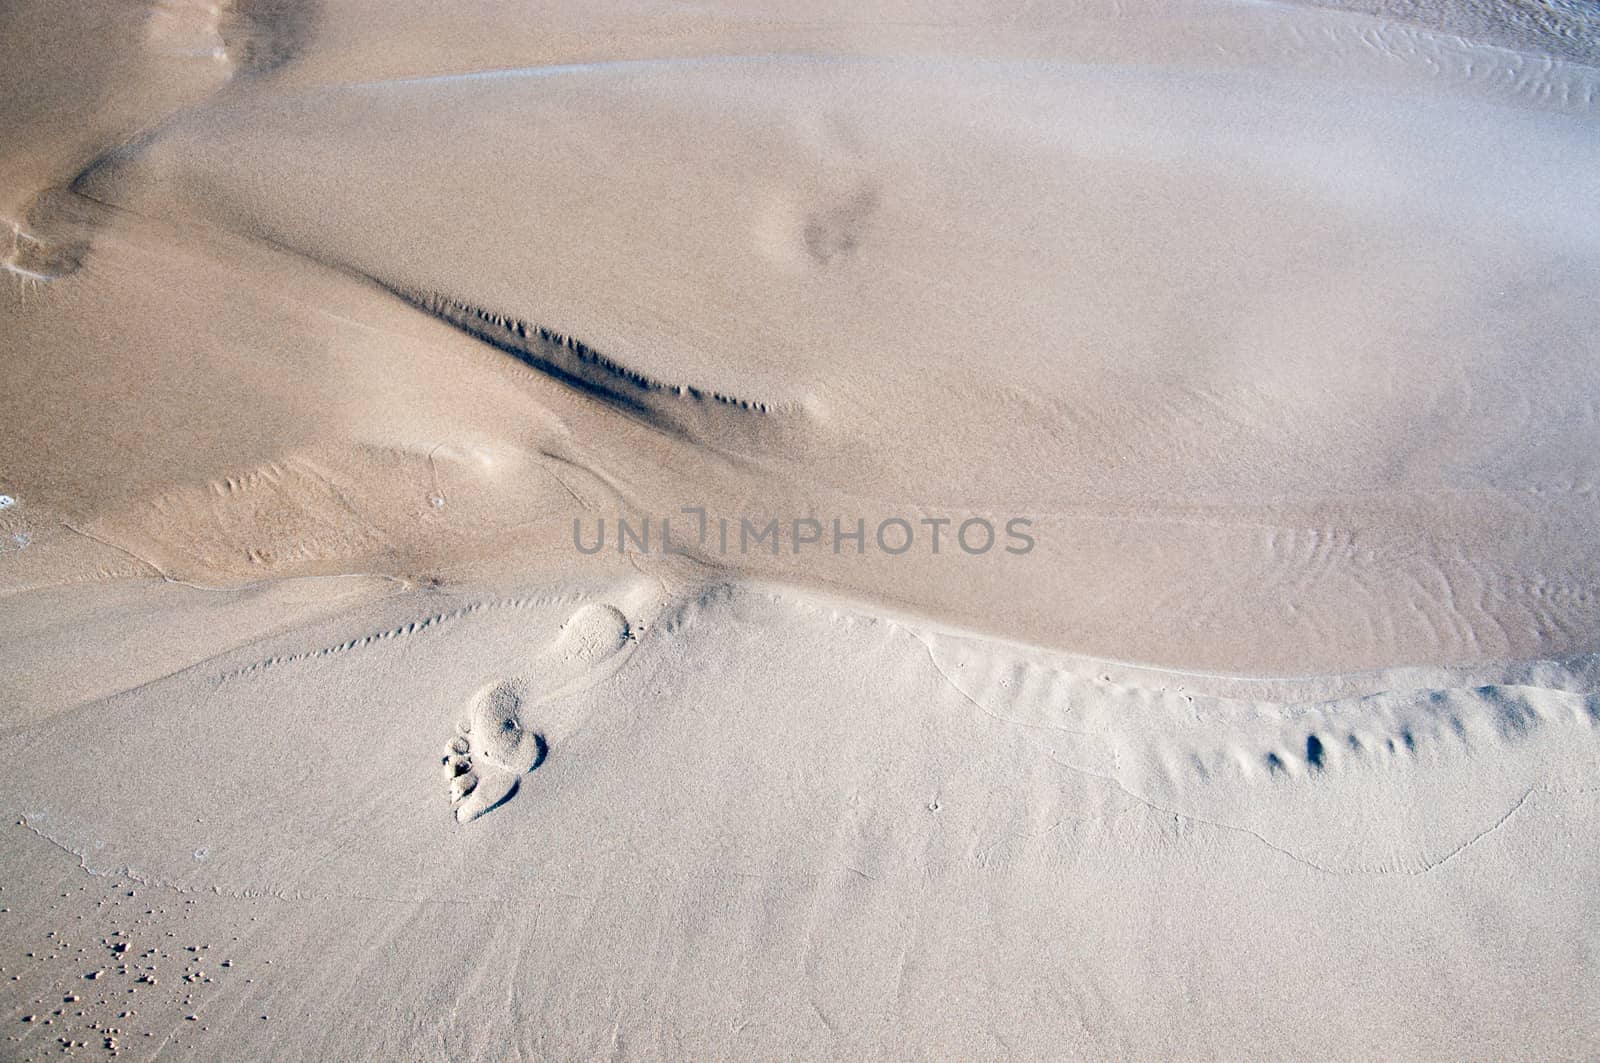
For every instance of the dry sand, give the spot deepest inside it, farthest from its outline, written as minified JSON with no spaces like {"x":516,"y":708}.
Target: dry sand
{"x":1260,"y":337}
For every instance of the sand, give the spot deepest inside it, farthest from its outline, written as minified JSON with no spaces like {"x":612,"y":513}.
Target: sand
{"x":941,"y":531}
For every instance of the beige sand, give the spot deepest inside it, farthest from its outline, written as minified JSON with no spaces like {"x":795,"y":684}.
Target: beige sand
{"x":1259,"y":337}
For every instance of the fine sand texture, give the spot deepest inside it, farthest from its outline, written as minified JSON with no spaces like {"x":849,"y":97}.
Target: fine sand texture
{"x":874,"y":531}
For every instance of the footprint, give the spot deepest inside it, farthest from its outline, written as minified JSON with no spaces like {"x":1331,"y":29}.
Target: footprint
{"x":837,"y":228}
{"x":243,"y":36}
{"x":810,"y":227}
{"x":50,"y":238}
{"x":475,"y":787}
{"x":504,"y":736}
{"x":260,"y":36}
{"x":593,"y":634}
